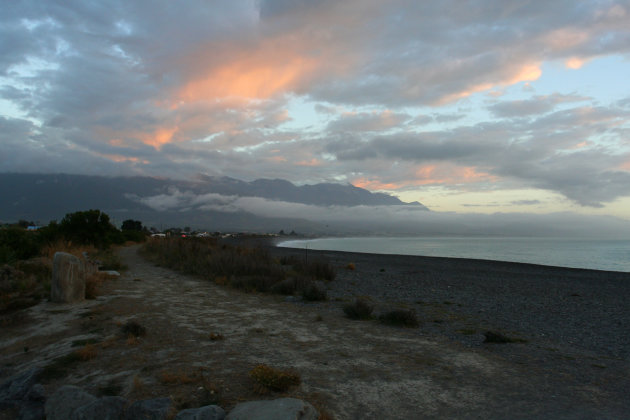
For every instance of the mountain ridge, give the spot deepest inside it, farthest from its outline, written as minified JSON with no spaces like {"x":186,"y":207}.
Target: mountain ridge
{"x":45,"y":197}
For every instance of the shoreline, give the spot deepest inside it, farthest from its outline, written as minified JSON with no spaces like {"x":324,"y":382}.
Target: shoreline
{"x":462,"y":260}
{"x":277,"y":241}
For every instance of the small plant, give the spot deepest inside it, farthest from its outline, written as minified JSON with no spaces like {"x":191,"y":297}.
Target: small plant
{"x":133,"y":329}
{"x":400,"y":317}
{"x":313,"y":292}
{"x":92,"y":285}
{"x":171,"y":378}
{"x":351,"y":267}
{"x":360,"y":309}
{"x":87,"y":352}
{"x":274,"y":379}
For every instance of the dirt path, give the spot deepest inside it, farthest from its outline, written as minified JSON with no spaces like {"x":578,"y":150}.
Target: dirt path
{"x":202,"y":340}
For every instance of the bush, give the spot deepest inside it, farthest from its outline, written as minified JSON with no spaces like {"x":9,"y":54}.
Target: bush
{"x":132,"y":328}
{"x":17,"y":244}
{"x":360,"y":309}
{"x":274,"y":379}
{"x":313,"y":292}
{"x":90,"y":227}
{"x":400,"y":317}
{"x":319,"y":268}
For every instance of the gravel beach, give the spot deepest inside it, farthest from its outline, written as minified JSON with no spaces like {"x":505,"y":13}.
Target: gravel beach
{"x":586,"y":309}
{"x":575,"y":323}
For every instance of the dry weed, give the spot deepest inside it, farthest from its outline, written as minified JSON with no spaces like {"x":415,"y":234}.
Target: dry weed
{"x":87,"y":352}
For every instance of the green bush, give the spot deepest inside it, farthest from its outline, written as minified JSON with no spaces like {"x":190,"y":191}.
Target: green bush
{"x":17,"y":244}
{"x":90,"y":227}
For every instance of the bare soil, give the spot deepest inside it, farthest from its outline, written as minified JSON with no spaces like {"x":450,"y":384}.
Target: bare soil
{"x":202,"y":340}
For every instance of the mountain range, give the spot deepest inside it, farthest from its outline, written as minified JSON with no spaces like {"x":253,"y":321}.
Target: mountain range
{"x":210,"y":203}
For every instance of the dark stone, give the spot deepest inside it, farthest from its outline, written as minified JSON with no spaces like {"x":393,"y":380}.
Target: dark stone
{"x":105,"y":408}
{"x":280,"y":409}
{"x":155,"y":409}
{"x":18,"y":387}
{"x":62,"y":404}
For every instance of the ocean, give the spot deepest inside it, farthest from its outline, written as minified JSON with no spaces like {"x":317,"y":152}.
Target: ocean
{"x":611,"y":255}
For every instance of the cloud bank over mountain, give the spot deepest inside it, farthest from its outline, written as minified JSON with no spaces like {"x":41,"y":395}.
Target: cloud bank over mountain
{"x":426,"y":100}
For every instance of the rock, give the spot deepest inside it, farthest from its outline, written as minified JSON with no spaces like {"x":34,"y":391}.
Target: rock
{"x":112,"y":273}
{"x":209,"y":412}
{"x":32,"y":411}
{"x":23,"y":396}
{"x":18,"y":387}
{"x":280,"y":409}
{"x":105,"y":408}
{"x":155,"y":409}
{"x":62,"y":404}
{"x":68,"y":279}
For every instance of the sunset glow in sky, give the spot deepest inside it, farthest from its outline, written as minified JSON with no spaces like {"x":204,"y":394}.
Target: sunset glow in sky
{"x":473,"y":107}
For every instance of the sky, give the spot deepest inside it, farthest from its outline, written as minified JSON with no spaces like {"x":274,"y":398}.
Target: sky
{"x":484,"y":107}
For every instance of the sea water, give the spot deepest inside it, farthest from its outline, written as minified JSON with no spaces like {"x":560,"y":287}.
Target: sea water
{"x":612,"y":255}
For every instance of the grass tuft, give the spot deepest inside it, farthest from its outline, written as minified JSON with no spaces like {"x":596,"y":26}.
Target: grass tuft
{"x":400,"y":317}
{"x":274,"y":379}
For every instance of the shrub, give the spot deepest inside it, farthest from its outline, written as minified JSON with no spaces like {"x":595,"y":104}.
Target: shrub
{"x":17,"y":244}
{"x":132,"y":328}
{"x":351,"y":266}
{"x":87,"y":352}
{"x":274,"y":379}
{"x":400,"y":317}
{"x":89,"y":227}
{"x":319,"y":268}
{"x":313,"y":292}
{"x":360,"y":309}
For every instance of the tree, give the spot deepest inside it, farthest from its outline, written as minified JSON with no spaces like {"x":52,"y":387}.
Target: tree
{"x":130,"y":224}
{"x":89,"y":227}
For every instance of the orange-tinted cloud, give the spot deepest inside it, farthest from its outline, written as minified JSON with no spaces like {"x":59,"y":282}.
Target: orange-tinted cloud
{"x":121,"y":158}
{"x":312,"y":162}
{"x":272,"y":66}
{"x":372,"y":184}
{"x":526,"y":73}
{"x":159,"y":137}
{"x":430,"y":175}
{"x":575,"y":63}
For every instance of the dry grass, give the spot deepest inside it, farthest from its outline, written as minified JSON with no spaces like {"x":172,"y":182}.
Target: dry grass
{"x":249,"y":269}
{"x":177,"y":378}
{"x":49,"y":250}
{"x":268,"y":378}
{"x":87,"y":352}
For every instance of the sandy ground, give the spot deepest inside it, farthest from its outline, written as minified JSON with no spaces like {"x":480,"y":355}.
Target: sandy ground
{"x":202,"y":340}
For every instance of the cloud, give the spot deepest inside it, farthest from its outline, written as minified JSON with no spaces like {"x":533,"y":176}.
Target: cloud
{"x":536,"y":105}
{"x":407,"y":219}
{"x":367,"y":121}
{"x":158,"y":88}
